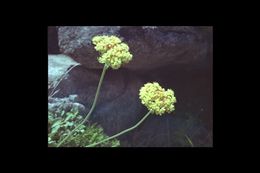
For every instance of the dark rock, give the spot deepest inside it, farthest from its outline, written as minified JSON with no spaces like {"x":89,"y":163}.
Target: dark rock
{"x":193,"y":115}
{"x":169,"y":131}
{"x":76,"y":42}
{"x":118,"y":106}
{"x":151,"y":46}
{"x":53,"y":47}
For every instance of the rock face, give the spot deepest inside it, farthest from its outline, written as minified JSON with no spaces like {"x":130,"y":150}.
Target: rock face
{"x":53,"y":47}
{"x":118,"y":105}
{"x":75,"y":41}
{"x":152,"y":47}
{"x":58,"y":65}
{"x":66,"y":104}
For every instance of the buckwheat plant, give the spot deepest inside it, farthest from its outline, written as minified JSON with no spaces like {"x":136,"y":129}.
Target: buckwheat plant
{"x":113,"y":53}
{"x":157,"y":100}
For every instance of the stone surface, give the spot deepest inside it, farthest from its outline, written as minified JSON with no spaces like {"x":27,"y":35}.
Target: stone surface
{"x":53,"y":47}
{"x":75,"y":41}
{"x":118,"y":105}
{"x":193,"y":115}
{"x":151,"y":46}
{"x":58,"y":65}
{"x":66,"y":104}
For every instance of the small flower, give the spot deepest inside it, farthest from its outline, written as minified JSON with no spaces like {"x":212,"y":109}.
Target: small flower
{"x":113,"y":52}
{"x":156,"y":99}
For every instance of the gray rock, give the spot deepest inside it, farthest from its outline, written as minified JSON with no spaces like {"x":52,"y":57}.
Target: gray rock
{"x":58,"y":68}
{"x":66,"y":104}
{"x":75,"y":41}
{"x":58,"y":65}
{"x":151,"y":46}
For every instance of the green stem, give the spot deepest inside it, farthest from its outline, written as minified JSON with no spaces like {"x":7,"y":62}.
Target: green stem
{"x":92,"y":107}
{"x":121,"y":133}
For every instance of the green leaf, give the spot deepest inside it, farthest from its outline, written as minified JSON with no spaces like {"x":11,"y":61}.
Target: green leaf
{"x":58,"y":122}
{"x":69,"y":116}
{"x":70,"y":124}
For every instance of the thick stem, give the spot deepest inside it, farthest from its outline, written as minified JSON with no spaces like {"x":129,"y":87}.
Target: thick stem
{"x":121,"y":133}
{"x":92,"y":107}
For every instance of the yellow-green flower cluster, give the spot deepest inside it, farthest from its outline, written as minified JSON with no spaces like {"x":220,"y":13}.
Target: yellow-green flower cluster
{"x":156,"y":99}
{"x":113,"y":52}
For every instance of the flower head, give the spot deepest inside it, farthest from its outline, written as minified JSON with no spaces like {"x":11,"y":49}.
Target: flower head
{"x":157,"y":99}
{"x":113,"y":52}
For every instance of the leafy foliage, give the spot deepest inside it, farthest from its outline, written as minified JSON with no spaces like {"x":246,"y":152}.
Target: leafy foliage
{"x":60,"y":123}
